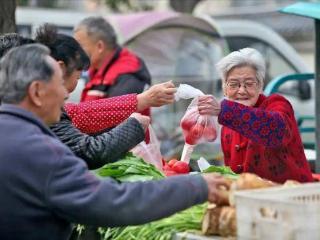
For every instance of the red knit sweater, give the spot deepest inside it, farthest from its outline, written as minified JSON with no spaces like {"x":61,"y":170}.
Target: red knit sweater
{"x":263,"y":139}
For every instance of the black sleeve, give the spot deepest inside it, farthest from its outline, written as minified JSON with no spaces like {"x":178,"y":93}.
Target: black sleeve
{"x":126,"y":84}
{"x":103,"y":148}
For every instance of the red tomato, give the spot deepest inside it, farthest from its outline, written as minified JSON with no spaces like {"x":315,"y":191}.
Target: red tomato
{"x":196,"y":131}
{"x":187,"y":124}
{"x":210,"y":134}
{"x":191,"y":140}
{"x":181,"y":167}
{"x":166,"y":168}
{"x":170,"y":173}
{"x":172,"y":162}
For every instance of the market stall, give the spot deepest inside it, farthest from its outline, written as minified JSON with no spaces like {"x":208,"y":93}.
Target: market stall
{"x":261,"y":210}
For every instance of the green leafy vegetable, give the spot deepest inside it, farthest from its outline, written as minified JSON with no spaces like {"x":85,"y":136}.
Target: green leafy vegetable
{"x":133,"y":169}
{"x":187,"y":220}
{"x":130,"y":169}
{"x":223,"y":170}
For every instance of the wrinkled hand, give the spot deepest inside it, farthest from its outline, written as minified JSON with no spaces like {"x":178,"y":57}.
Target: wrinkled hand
{"x":217,"y":188}
{"x":208,"y":105}
{"x":143,"y":120}
{"x":157,"y":95}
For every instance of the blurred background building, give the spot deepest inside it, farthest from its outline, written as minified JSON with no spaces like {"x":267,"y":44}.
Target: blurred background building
{"x":297,"y":30}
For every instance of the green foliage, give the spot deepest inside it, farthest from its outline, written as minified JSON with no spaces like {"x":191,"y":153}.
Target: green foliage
{"x":22,"y":2}
{"x":115,"y":5}
{"x":187,"y":220}
{"x":40,"y":3}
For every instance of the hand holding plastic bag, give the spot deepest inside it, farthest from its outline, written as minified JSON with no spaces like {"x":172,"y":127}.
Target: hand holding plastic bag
{"x":150,"y":153}
{"x":196,"y":128}
{"x":208,"y":105}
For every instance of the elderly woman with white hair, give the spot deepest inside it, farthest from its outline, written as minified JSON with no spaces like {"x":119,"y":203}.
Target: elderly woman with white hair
{"x":259,"y":134}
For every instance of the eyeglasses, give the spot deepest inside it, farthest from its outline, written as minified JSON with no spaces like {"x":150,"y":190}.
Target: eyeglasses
{"x":248,"y":85}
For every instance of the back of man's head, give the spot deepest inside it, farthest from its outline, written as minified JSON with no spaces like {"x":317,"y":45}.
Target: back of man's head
{"x":98,"y":28}
{"x":19,"y":68}
{"x":10,"y":40}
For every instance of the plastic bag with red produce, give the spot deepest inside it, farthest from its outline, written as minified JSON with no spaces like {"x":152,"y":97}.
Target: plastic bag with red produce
{"x":196,"y":128}
{"x":150,"y":152}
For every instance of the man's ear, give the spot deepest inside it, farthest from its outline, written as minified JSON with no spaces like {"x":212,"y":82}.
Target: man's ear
{"x":101,"y":46}
{"x":35,"y":93}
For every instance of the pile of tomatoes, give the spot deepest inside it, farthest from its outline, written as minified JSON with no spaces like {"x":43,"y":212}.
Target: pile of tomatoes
{"x":175,"y":167}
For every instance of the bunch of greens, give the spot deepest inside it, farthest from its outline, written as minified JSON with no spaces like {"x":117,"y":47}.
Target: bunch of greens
{"x":164,"y":229}
{"x":130,"y":169}
{"x":223,"y":170}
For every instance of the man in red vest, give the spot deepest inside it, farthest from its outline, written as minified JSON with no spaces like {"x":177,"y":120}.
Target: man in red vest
{"x":114,"y":70}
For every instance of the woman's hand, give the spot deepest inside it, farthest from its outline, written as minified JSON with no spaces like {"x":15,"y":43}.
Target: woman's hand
{"x":208,"y":105}
{"x":143,"y":120}
{"x":156,"y":96}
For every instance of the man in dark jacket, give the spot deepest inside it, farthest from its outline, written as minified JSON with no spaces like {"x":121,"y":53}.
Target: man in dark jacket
{"x":44,"y":187}
{"x":114,"y":70}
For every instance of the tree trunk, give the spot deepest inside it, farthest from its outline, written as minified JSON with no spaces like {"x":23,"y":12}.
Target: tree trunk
{"x":7,"y":16}
{"x":185,"y":6}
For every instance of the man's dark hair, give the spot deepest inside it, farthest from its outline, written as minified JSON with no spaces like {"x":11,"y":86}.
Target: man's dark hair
{"x":63,"y":48}
{"x":10,"y":40}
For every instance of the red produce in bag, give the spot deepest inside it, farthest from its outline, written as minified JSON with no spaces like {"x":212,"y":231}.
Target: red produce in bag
{"x":150,"y":152}
{"x":196,"y":128}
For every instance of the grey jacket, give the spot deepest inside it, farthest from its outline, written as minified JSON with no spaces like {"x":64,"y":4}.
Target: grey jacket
{"x":103,"y":148}
{"x":44,"y":186}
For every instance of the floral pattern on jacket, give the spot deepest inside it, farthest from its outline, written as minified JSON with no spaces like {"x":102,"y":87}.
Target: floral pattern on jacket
{"x":263,"y":139}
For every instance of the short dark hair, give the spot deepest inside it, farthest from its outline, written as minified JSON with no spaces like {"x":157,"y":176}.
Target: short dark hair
{"x":10,"y":40}
{"x":63,"y":48}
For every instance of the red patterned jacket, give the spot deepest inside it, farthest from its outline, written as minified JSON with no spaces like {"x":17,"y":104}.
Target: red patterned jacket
{"x":263,"y":139}
{"x":96,"y":116}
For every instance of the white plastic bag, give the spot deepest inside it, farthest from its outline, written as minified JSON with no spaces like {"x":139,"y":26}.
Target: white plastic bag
{"x":203,"y":164}
{"x":185,"y":91}
{"x":196,"y":128}
{"x":150,"y":153}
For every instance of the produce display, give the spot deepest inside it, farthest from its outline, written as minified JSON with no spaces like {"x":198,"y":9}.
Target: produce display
{"x":175,"y":167}
{"x":130,"y":169}
{"x":206,"y":219}
{"x":221,"y":219}
{"x":223,"y":170}
{"x":188,"y":220}
{"x":133,"y":168}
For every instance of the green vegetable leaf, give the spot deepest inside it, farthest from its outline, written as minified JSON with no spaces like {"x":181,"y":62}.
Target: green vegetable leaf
{"x":223,"y":170}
